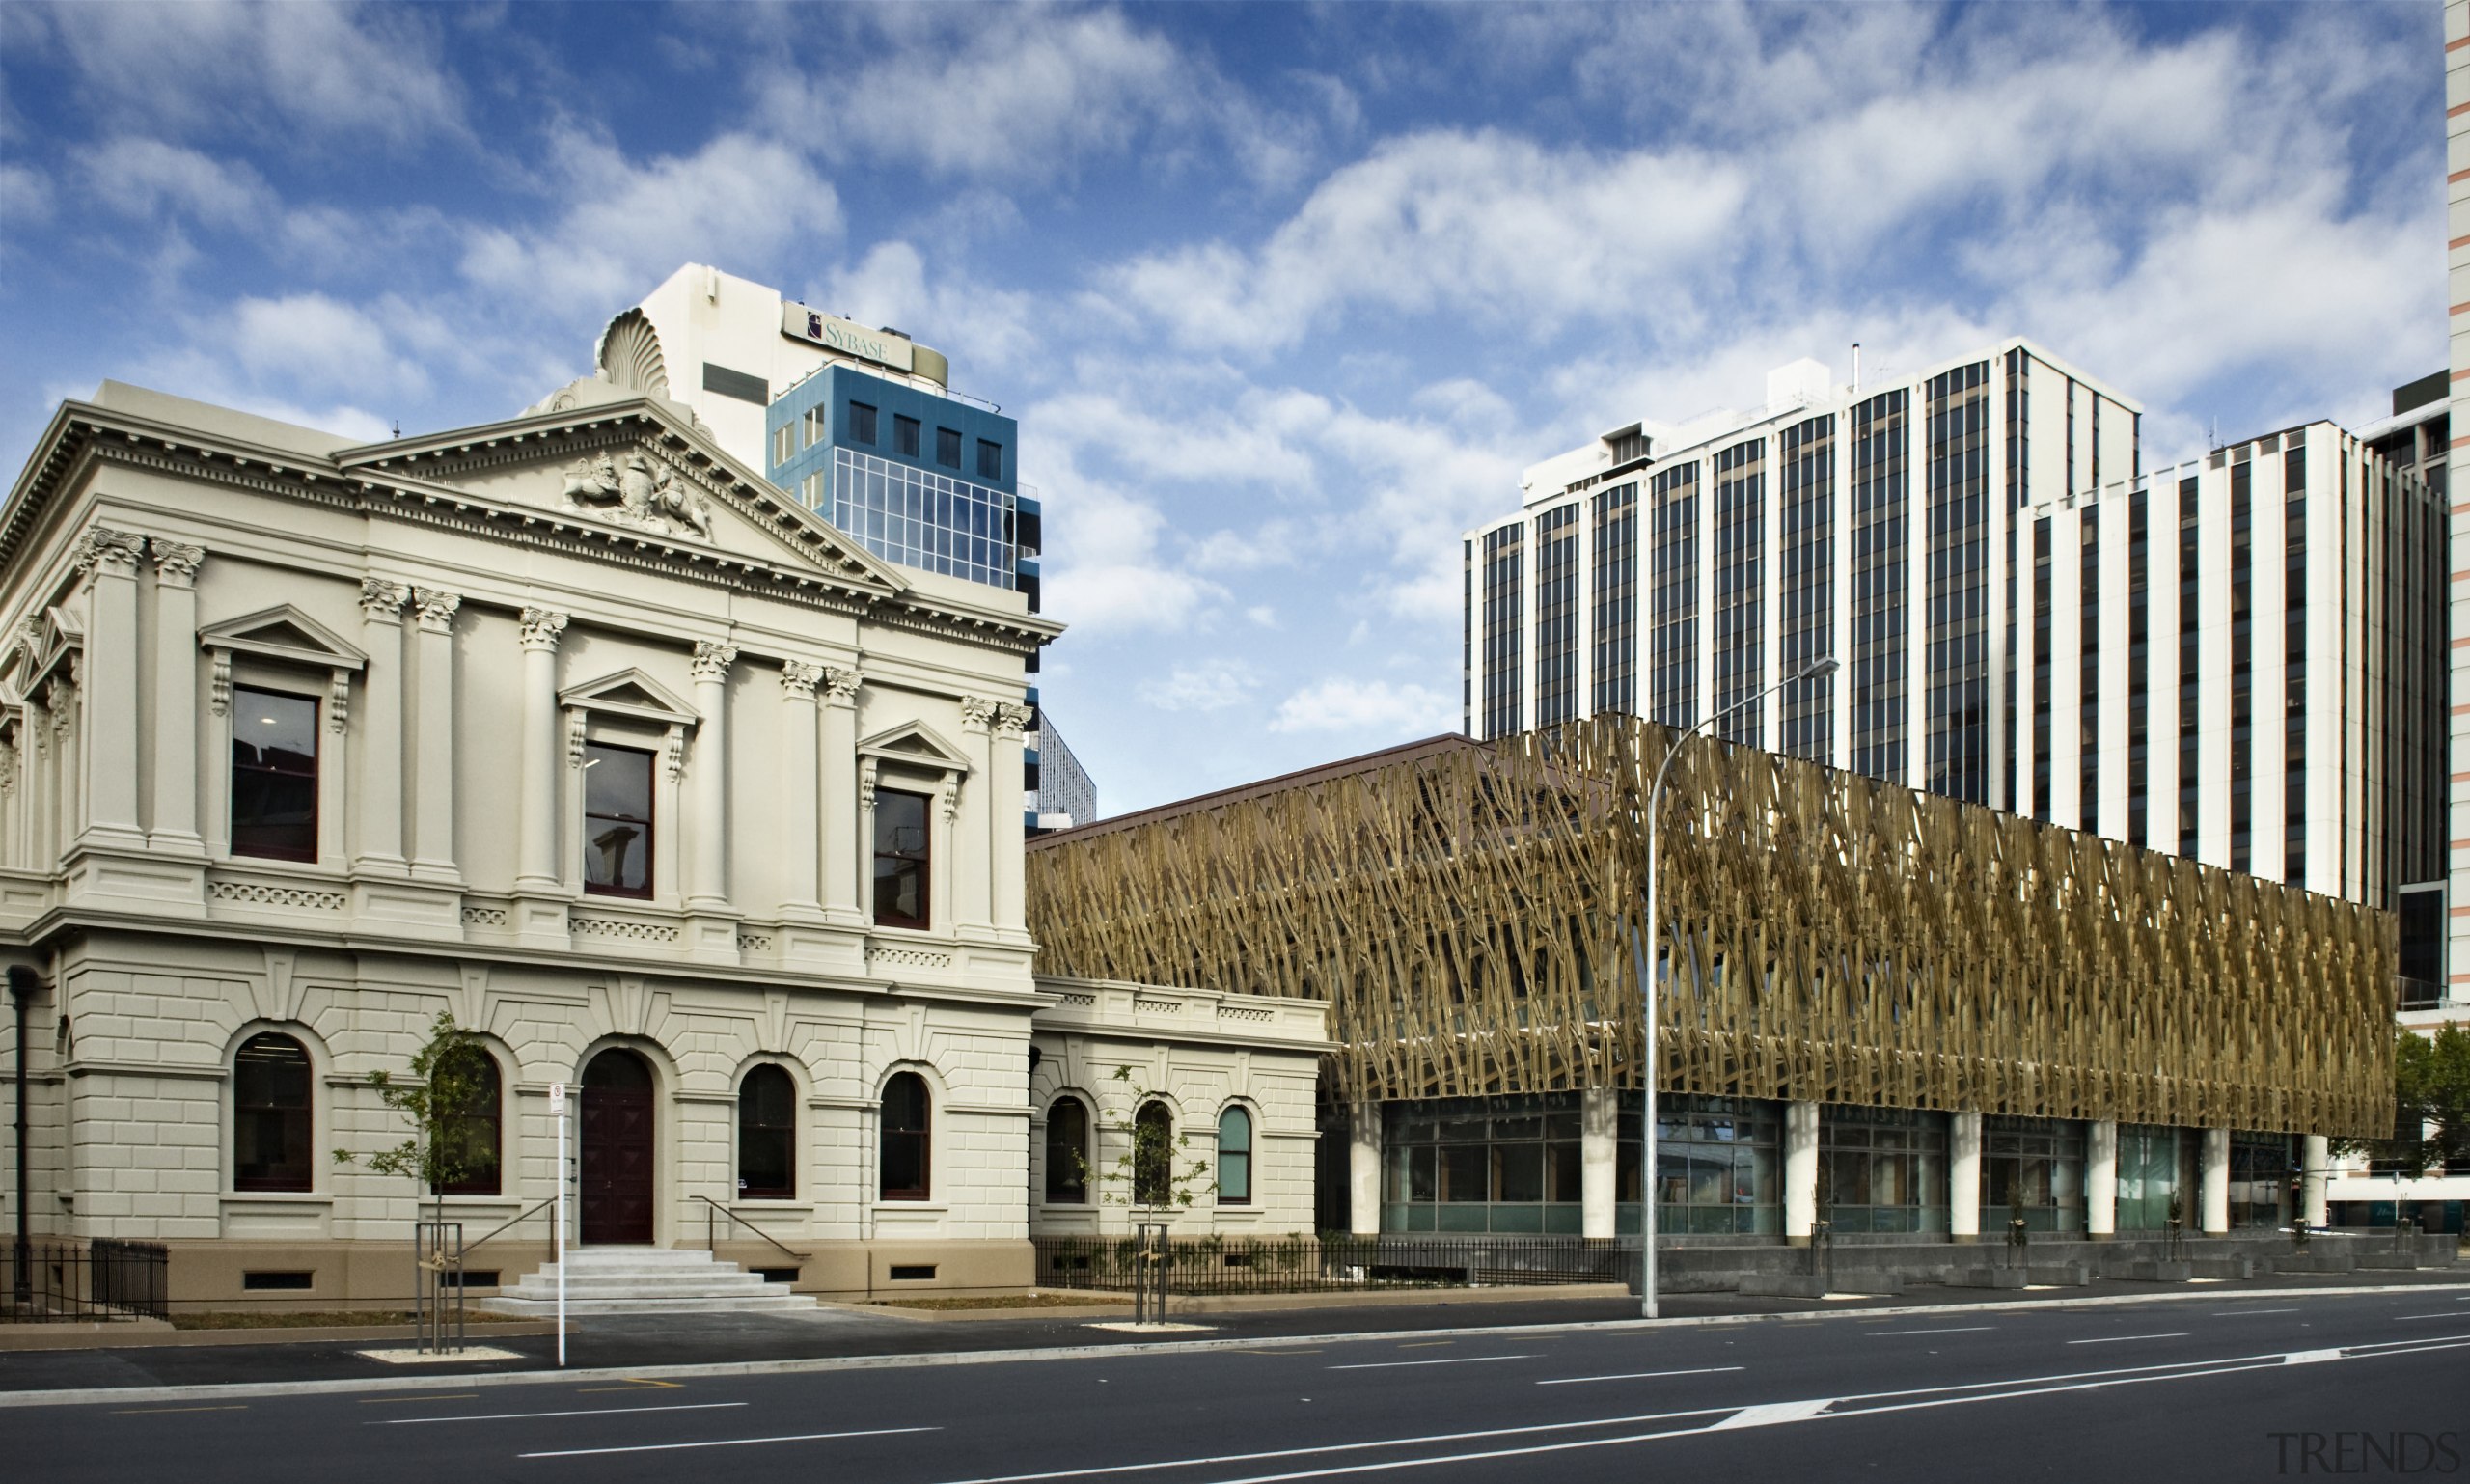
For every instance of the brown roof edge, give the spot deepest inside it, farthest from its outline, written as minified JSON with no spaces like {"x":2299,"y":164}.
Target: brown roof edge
{"x":1404,"y":752}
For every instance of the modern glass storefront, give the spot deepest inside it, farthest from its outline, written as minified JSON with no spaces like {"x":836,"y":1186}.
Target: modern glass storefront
{"x":2261,"y":1167}
{"x":1718,"y":1167}
{"x":1883,"y":1169}
{"x":1499,"y":1164}
{"x":2150,"y":1162}
{"x":2034,"y":1168}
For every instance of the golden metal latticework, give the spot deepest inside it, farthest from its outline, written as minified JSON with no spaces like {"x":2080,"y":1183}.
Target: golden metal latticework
{"x":1468,"y":912}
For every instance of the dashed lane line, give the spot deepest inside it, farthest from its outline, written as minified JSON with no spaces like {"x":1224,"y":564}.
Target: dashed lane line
{"x":581,"y":1411}
{"x":728,"y":1443}
{"x":1702,"y":1370}
{"x":2115,"y":1340}
{"x":1456,"y":1360}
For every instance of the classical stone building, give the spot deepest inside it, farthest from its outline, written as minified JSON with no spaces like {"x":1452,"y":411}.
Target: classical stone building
{"x":576,"y":727}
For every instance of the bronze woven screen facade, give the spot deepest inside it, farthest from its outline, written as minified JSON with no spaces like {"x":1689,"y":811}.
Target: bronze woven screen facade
{"x":1469,"y":910}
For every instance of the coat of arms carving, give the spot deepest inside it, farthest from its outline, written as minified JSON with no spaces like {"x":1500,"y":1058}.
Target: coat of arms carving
{"x":636,"y":490}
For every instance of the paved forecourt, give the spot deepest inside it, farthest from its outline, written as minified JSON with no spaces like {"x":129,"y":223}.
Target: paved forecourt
{"x":2200,"y":1388}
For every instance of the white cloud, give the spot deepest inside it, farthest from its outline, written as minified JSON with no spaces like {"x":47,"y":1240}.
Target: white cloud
{"x":145,"y":178}
{"x":1211,"y":685}
{"x":892,"y":286}
{"x":1338,"y":704}
{"x":25,"y":196}
{"x":1263,"y":614}
{"x":296,"y":73}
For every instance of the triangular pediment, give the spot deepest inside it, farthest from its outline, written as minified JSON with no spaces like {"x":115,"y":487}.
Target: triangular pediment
{"x":632,"y":470}
{"x":630,"y":693}
{"x":284,"y":633}
{"x":918,"y":744}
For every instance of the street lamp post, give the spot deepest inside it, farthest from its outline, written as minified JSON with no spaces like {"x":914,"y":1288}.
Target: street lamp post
{"x":1647,"y":957}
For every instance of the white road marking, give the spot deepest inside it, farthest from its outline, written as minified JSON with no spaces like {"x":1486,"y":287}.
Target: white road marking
{"x":1458,"y":1360}
{"x":2310,"y":1356}
{"x":1971,"y":1328}
{"x":1703,"y":1370}
{"x":729,"y":1443}
{"x":2224,"y":1314}
{"x":2114,"y":1340}
{"x":509,"y":1417}
{"x":1770,"y":1413}
{"x":2447,"y":1314}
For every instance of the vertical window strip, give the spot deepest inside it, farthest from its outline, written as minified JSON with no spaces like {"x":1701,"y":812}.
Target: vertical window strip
{"x":1556,"y":615}
{"x":1957,"y":415}
{"x":1740,"y":609}
{"x":2139,"y":670}
{"x":1504,"y":601}
{"x":2041,"y":612}
{"x":1673,"y":681}
{"x":2295,"y":666}
{"x":2242,"y":638}
{"x":1807,"y":502}
{"x":2189,"y":672}
{"x":2088,"y":807}
{"x":2020,"y":402}
{"x":1880,"y":543}
{"x":1615,"y":683}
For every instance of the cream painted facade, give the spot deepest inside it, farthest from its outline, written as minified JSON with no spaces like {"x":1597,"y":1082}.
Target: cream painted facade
{"x":470,"y":612}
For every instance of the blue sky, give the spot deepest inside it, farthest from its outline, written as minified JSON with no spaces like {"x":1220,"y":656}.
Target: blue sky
{"x":1284,"y":297}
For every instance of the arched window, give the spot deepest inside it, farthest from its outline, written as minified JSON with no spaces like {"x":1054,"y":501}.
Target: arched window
{"x":906,"y":1146}
{"x":270,"y":1114}
{"x":1153,"y":1156}
{"x":767,"y":1119}
{"x":1235,"y":1158}
{"x":474,"y":1137}
{"x":1067,"y":1151}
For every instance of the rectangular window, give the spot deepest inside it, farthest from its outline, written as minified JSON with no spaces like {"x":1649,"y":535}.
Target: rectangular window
{"x":2088,"y":689}
{"x":2139,"y":670}
{"x":902,"y":847}
{"x":2242,"y":640}
{"x":617,"y":820}
{"x":2188,"y":593}
{"x":1881,"y":435}
{"x":1957,"y":687}
{"x":1504,"y":614}
{"x":1806,"y":455}
{"x":1616,"y":601}
{"x":947,"y":447}
{"x":1740,"y":610}
{"x":737,"y":384}
{"x":917,"y":518}
{"x":990,"y":460}
{"x":783,"y":444}
{"x":2293,"y":483}
{"x":2043,"y":597}
{"x":862,"y":422}
{"x":810,"y":427}
{"x":274,"y":773}
{"x":904,"y":435}
{"x":1556,"y":615}
{"x":1672,"y":682}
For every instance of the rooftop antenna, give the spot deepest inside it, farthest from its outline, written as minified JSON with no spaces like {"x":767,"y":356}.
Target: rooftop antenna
{"x":398,"y":425}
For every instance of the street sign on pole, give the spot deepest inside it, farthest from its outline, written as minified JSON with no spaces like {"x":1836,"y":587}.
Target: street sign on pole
{"x":558,"y":1224}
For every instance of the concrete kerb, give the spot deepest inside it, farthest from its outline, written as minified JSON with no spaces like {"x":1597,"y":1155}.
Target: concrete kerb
{"x":818,"y":1365}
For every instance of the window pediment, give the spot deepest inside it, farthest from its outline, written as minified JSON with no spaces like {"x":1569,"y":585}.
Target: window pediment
{"x":915,"y":745}
{"x":630,"y":693}
{"x":284,"y":633}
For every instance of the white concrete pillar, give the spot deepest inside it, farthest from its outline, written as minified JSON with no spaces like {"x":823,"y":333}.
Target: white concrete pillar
{"x":974,"y":833}
{"x":707,"y":802}
{"x":798,"y":782}
{"x":2314,"y":1167}
{"x":536,"y":808}
{"x":432,"y":736}
{"x":1363,"y":1170}
{"x":1800,"y":1170}
{"x":377,"y":817}
{"x":1009,"y":845}
{"x":1963,"y":1176}
{"x":2101,"y":1178}
{"x":2214,"y":1182}
{"x":843,"y":849}
{"x":108,"y":672}
{"x":175,"y":826}
{"x":1599,"y":1159}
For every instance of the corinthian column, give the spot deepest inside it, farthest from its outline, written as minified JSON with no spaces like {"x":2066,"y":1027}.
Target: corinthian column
{"x":432,"y":730}
{"x":379,"y":817}
{"x":537,"y":813}
{"x":799,"y":780}
{"x":175,"y":738}
{"x":1008,"y":836}
{"x":842,"y":841}
{"x":111,"y":686}
{"x":707,"y":879}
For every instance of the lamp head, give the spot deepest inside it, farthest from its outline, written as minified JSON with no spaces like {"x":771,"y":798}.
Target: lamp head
{"x":1823,"y":666}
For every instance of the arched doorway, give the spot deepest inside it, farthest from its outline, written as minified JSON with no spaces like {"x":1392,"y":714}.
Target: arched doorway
{"x":616,"y":1185}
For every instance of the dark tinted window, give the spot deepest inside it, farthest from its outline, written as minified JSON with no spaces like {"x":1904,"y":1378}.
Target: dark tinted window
{"x":901,"y":858}
{"x":1067,"y":1151}
{"x":474,"y":1137}
{"x":1153,"y":1155}
{"x":904,"y":435}
{"x":990,"y":460}
{"x":767,"y":1103}
{"x":270,"y":1112}
{"x":947,"y":447}
{"x":1235,"y":1158}
{"x":905,"y":1142}
{"x":274,"y":774}
{"x":862,"y":422}
{"x":618,"y":820}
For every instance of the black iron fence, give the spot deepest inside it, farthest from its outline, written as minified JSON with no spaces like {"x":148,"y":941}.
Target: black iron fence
{"x":56,"y":1280}
{"x":1333,"y":1264}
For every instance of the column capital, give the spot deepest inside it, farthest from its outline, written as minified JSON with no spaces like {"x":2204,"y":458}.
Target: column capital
{"x":437,"y":608}
{"x":978,"y":714}
{"x":840,"y":686}
{"x":111,"y":551}
{"x":175,"y":563}
{"x":712,"y":660}
{"x":799,"y":678}
{"x":382,"y":601}
{"x":1011,"y":721}
{"x":541,"y":627}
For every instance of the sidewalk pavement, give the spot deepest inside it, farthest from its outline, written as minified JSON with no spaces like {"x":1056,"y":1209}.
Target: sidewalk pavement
{"x":620,"y":1343}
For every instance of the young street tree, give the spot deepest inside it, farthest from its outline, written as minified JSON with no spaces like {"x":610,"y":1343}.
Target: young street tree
{"x":2430,"y":1104}
{"x":445,"y":1099}
{"x":1152,"y":1174}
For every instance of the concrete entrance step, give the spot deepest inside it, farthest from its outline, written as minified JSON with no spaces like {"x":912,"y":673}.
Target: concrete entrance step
{"x":643,"y":1281}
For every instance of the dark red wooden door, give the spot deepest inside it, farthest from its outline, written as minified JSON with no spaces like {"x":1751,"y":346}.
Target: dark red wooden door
{"x":617,"y":1177}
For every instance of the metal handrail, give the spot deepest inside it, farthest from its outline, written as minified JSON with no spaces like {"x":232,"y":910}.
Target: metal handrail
{"x":712,"y":1244}
{"x":521,"y":1215}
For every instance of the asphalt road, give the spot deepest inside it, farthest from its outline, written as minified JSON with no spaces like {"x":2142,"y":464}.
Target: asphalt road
{"x":2243,"y":1389}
